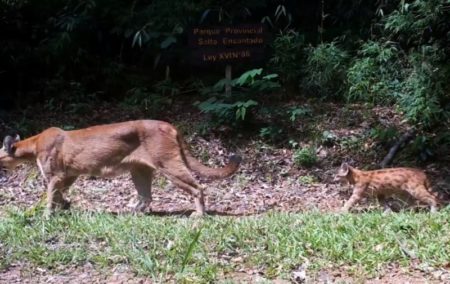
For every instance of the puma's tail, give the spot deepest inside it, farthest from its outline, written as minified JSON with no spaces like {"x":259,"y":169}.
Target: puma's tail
{"x":205,"y":171}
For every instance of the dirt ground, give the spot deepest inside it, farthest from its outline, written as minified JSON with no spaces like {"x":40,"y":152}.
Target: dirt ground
{"x":121,"y":274}
{"x":267,"y":180}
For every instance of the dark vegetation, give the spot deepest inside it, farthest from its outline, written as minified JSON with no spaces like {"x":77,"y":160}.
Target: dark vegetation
{"x":65,"y":55}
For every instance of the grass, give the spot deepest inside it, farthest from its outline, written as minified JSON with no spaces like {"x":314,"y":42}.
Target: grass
{"x":203,"y":250}
{"x":307,"y":179}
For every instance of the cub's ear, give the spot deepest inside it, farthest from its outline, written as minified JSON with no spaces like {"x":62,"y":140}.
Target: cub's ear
{"x":343,"y":171}
{"x":8,"y":144}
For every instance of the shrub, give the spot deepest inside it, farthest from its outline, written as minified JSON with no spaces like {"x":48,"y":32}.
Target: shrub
{"x":286,"y":59}
{"x":384,"y":135}
{"x":413,"y":72}
{"x":325,"y":70}
{"x":375,"y":75}
{"x":150,"y":100}
{"x":306,"y":157}
{"x":425,"y":89}
{"x":307,"y":180}
{"x":418,"y":22}
{"x":235,"y":109}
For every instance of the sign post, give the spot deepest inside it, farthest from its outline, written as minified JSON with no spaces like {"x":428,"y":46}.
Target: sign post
{"x":225,"y":45}
{"x":229,"y":78}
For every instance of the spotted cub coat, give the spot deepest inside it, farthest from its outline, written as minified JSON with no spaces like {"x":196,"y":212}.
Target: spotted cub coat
{"x":383,"y":183}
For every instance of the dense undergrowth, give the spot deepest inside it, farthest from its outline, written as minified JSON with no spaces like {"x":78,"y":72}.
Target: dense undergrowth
{"x":396,"y":54}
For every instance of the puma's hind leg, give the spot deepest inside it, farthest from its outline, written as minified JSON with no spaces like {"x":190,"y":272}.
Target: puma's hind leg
{"x":142,"y":179}
{"x":177,"y":172}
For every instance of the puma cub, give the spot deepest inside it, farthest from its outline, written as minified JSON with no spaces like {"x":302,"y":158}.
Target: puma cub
{"x":139,"y":147}
{"x":387,"y":182}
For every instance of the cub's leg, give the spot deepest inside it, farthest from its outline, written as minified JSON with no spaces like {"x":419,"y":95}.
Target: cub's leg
{"x":142,"y":178}
{"x":357,"y":195}
{"x":422,"y":194}
{"x":382,"y":201}
{"x":177,"y":172}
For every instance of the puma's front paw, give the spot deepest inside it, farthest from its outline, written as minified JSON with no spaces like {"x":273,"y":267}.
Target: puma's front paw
{"x":48,"y":212}
{"x":344,"y":210}
{"x":141,"y":204}
{"x":197,"y":214}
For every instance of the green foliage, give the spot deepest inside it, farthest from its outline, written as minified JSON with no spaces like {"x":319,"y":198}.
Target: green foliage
{"x":69,"y":96}
{"x":96,"y":43}
{"x":325,"y":69}
{"x":151,"y":100}
{"x":443,"y":140}
{"x":352,"y":143}
{"x":328,"y":138}
{"x":247,"y":89}
{"x":255,"y":85}
{"x":248,"y":77}
{"x":286,"y":59}
{"x":421,"y":148}
{"x":375,"y":75}
{"x":167,"y":88}
{"x":305,"y":156}
{"x":281,"y":20}
{"x":241,"y":108}
{"x":424,"y":95}
{"x":24,"y":126}
{"x":272,"y":133}
{"x":191,"y":248}
{"x":415,"y":22}
{"x":384,"y":135}
{"x":307,"y":179}
{"x":282,"y":121}
{"x":227,"y":112}
{"x":295,"y":113}
{"x":425,"y":90}
{"x":411,"y":71}
{"x":388,"y":53}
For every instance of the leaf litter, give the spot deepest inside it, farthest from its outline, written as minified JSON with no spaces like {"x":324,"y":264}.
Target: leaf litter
{"x":268,"y":179}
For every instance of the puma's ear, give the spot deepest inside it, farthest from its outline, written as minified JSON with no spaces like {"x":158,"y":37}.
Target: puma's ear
{"x":8,"y":144}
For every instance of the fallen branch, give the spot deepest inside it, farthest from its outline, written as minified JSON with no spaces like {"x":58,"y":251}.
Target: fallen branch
{"x":397,"y":147}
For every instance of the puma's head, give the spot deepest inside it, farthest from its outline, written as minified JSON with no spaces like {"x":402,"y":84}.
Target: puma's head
{"x":343,"y":173}
{"x":7,"y":158}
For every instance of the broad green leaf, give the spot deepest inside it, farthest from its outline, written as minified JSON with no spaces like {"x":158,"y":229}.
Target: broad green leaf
{"x":168,"y":41}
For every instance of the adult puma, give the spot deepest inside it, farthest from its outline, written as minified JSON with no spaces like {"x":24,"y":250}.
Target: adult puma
{"x":140,"y":147}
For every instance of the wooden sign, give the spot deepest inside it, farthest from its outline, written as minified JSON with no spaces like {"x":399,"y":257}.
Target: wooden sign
{"x":227,"y":44}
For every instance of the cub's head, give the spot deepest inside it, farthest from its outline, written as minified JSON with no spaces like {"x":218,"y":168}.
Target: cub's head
{"x":343,"y":173}
{"x":7,"y":158}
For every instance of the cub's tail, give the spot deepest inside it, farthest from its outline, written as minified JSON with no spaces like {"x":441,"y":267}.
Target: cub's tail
{"x":205,"y":171}
{"x":441,"y":197}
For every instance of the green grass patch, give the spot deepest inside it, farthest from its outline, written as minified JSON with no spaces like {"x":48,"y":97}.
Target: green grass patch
{"x":203,"y":250}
